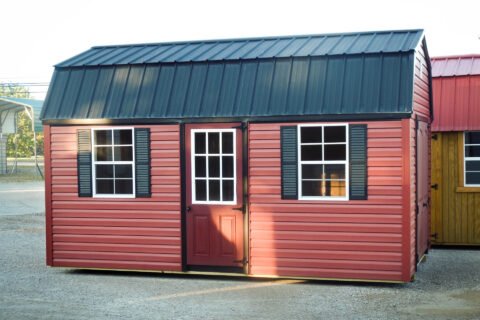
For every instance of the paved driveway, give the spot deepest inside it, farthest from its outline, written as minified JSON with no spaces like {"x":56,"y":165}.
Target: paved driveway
{"x":22,"y":197}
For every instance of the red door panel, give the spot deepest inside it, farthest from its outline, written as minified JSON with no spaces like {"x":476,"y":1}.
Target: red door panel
{"x":422,"y":188}
{"x":214,"y":195}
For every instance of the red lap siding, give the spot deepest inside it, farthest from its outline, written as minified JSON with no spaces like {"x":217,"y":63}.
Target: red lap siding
{"x":142,"y":233}
{"x":329,"y":239}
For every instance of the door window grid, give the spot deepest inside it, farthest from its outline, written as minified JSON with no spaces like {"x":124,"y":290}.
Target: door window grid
{"x":471,"y":163}
{"x":323,"y":164}
{"x":205,"y":175}
{"x":106,"y":167}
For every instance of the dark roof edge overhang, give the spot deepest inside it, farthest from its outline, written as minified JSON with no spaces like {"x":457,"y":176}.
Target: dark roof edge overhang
{"x":256,"y":119}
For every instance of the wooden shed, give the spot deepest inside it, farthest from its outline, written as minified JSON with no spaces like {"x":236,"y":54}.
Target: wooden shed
{"x":456,"y":150}
{"x":299,"y":156}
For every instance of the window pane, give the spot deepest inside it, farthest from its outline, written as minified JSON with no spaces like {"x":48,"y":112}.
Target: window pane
{"x":227,"y":167}
{"x":227,"y":142}
{"x":472,"y":165}
{"x":472,"y":137}
{"x":200,"y":142}
{"x":103,"y":137}
{"x":335,"y":188}
{"x":123,"y":171}
{"x":214,"y":167}
{"x":213,"y":142}
{"x":103,"y":154}
{"x":310,"y":153}
{"x":335,"y":152}
{"x":311,"y":134}
{"x":104,"y":186}
{"x":214,"y":190}
{"x":104,"y":170}
{"x":123,"y":186}
{"x":335,"y":134}
{"x":227,"y":186}
{"x":122,"y":136}
{"x":334,"y":171}
{"x":472,"y":178}
{"x":200,"y":190}
{"x":312,"y":188}
{"x":472,"y":151}
{"x":200,"y":166}
{"x":312,"y":171}
{"x":123,"y":153}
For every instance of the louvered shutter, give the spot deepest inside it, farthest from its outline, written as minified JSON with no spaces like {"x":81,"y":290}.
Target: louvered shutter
{"x":142,"y":163}
{"x":289,"y":161}
{"x":84,"y":163}
{"x":358,"y":161}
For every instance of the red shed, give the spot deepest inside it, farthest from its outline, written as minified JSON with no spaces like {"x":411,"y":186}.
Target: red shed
{"x":300,"y":156}
{"x":456,"y":150}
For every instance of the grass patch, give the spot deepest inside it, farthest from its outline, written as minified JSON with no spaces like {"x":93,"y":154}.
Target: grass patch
{"x":23,"y":174}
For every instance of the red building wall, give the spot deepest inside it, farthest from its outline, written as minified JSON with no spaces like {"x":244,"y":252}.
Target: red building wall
{"x":142,"y":233}
{"x":361,"y":239}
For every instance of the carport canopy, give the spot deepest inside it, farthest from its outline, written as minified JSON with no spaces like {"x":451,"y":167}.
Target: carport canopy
{"x":9,"y":107}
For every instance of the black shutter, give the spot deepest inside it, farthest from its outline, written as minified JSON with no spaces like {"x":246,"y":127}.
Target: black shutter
{"x":142,"y":163}
{"x":288,"y":135}
{"x":358,"y":161}
{"x":84,"y":163}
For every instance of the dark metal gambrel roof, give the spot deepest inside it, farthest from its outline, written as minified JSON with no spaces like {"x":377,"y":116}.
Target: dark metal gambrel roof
{"x":354,"y":73}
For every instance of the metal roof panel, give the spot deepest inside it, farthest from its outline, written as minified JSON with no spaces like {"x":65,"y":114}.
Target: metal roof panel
{"x":456,"y":66}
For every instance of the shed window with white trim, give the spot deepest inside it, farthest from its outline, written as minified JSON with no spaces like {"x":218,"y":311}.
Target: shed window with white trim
{"x":472,"y":158}
{"x":113,"y":162}
{"x":323,"y":162}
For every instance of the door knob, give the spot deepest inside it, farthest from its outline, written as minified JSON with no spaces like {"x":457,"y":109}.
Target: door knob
{"x":188,"y":208}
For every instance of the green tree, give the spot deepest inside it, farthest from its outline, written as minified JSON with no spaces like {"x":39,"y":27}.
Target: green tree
{"x":25,"y":145}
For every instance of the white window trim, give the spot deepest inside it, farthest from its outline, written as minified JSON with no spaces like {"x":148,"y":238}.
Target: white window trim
{"x":192,"y":163}
{"x":465,"y":159}
{"x":346,"y":162}
{"x":94,"y":163}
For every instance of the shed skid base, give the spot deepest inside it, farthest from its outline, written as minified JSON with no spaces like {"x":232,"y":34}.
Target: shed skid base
{"x":227,"y":274}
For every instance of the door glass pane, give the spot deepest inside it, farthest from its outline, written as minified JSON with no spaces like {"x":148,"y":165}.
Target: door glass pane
{"x":104,"y":186}
{"x":312,"y":188}
{"x":214,"y":190}
{"x":335,"y":134}
{"x":214,"y":167}
{"x":103,"y":137}
{"x":104,"y":170}
{"x":472,"y":151}
{"x":201,"y":190}
{"x":472,"y":165}
{"x":124,"y":186}
{"x":123,"y":171}
{"x":213,"y":142}
{"x":335,"y":188}
{"x":227,"y":167}
{"x":334,"y":171}
{"x":312,"y":171}
{"x":311,"y":134}
{"x":123,"y":154}
{"x":227,"y":142}
{"x":200,"y":142}
{"x":310,"y":153}
{"x":122,"y":136}
{"x":335,"y":152}
{"x":103,"y":154}
{"x":472,"y":178}
{"x":472,"y":137}
{"x":200,"y":166}
{"x":227,"y":186}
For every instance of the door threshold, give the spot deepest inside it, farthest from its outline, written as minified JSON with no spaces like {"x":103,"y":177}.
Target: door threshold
{"x":215,"y":269}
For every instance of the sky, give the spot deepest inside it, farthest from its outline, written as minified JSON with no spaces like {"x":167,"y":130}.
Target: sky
{"x":39,"y":34}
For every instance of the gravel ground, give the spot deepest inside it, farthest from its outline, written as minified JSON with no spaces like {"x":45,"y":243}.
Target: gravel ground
{"x":447,"y":287}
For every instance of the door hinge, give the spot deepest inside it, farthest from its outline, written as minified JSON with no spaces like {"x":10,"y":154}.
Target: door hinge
{"x":242,"y":127}
{"x":435,"y":186}
{"x":435,"y":137}
{"x":418,"y":210}
{"x":238,"y":208}
{"x":243,"y":261}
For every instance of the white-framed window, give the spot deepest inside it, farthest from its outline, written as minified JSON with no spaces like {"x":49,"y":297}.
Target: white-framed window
{"x":213,"y":166}
{"x":113,"y":162}
{"x":472,"y":158}
{"x":323,"y":162}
